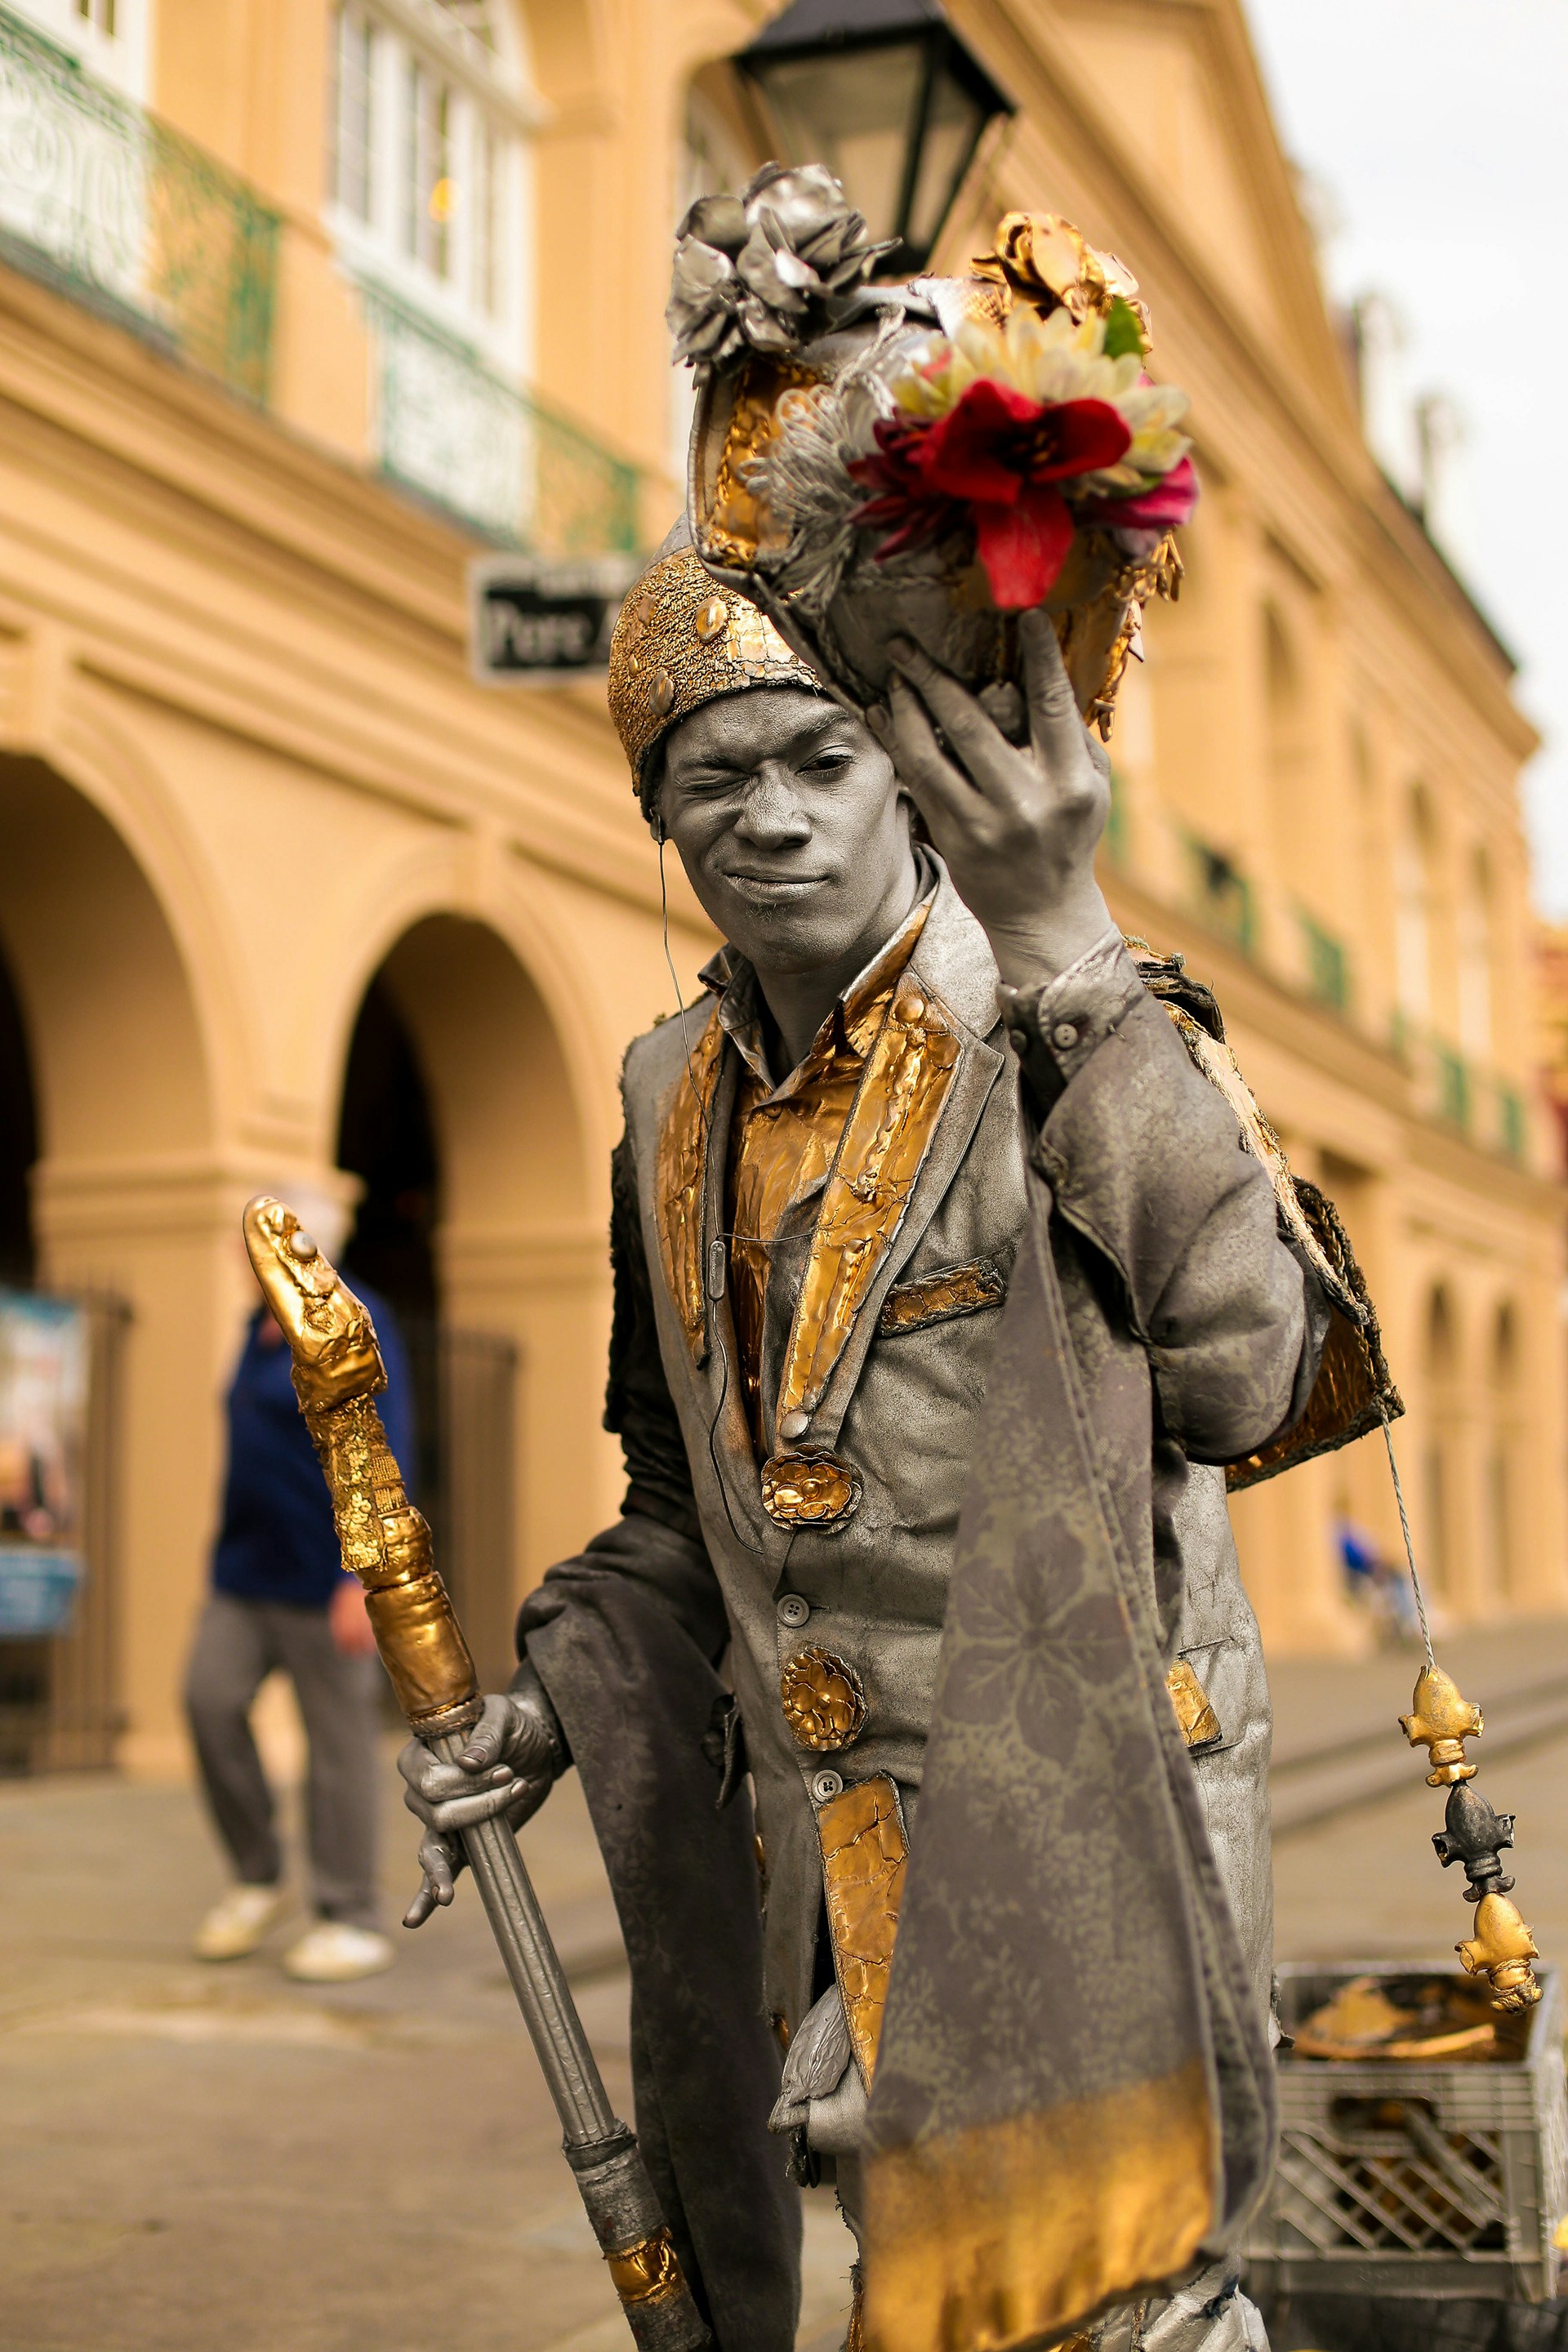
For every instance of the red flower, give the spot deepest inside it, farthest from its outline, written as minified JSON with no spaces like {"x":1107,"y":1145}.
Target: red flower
{"x":1000,"y":454}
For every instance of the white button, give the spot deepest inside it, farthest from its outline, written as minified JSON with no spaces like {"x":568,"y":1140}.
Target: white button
{"x":793,"y":1424}
{"x":792,"y":1610}
{"x":825,"y":1785}
{"x":1064,"y":1035}
{"x":302,"y":1244}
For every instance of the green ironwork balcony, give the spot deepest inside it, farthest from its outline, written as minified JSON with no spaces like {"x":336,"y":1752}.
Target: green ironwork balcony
{"x":101,"y":198}
{"x":450,"y":429}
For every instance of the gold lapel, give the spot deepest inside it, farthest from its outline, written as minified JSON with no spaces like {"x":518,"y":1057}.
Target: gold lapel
{"x":886,"y":1139}
{"x":682,"y":1175}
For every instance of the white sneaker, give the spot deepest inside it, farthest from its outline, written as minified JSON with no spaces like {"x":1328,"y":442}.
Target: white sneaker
{"x":239,"y":1923}
{"x":333,"y":1953}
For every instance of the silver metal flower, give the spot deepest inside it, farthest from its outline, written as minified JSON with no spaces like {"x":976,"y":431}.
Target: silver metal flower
{"x":767,"y":270}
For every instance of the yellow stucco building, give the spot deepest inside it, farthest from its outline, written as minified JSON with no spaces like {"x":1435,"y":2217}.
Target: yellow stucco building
{"x":300,"y":306}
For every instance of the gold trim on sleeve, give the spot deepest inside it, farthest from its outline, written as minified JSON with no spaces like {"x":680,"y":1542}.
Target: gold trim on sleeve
{"x":646,"y":2272}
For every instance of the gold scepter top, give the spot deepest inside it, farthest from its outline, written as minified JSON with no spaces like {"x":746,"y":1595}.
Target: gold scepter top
{"x":338,"y":1372}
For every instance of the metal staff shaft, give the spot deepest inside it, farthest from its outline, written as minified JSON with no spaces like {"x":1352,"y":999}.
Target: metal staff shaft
{"x":538,"y":1979}
{"x":602,"y":2152}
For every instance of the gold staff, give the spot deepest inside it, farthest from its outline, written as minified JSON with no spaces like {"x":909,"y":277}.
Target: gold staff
{"x":338,"y":1371}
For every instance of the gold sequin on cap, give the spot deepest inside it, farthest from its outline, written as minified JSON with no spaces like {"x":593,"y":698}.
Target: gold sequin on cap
{"x":680,"y":642}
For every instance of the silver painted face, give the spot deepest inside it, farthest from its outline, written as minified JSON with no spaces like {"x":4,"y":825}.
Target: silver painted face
{"x":788,"y":820}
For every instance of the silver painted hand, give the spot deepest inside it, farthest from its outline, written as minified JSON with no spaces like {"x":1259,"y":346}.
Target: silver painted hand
{"x":1017,"y":828}
{"x":511,"y":1760}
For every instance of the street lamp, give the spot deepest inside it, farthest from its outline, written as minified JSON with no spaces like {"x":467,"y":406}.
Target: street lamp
{"x":885,"y":94}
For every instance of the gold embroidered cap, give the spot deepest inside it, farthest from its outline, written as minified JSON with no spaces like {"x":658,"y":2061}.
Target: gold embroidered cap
{"x":681,"y":641}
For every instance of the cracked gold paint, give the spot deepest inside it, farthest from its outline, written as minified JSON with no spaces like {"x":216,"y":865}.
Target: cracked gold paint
{"x":383,"y":1540}
{"x":886,"y":1139}
{"x":935,"y":1298}
{"x":1015,"y":2231}
{"x":1199,"y":1724}
{"x":681,"y":1175}
{"x":784,"y":1140}
{"x":809,"y":1490}
{"x":864,"y":1854}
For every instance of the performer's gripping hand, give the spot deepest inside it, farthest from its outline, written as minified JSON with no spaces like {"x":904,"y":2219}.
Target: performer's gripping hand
{"x":1017,"y":828}
{"x":513,"y":1757}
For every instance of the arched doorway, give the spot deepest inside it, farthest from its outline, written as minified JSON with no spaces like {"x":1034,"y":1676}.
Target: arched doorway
{"x":458,"y":1116}
{"x":105,"y":1181}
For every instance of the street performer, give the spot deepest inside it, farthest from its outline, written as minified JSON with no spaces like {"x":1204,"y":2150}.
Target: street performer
{"x":942,"y":1293}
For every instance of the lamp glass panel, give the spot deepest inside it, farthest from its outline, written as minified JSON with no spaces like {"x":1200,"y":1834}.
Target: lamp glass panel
{"x":853,"y":114}
{"x":953,"y":122}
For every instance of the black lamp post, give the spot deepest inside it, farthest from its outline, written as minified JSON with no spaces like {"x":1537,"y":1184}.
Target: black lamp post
{"x":885,"y":94}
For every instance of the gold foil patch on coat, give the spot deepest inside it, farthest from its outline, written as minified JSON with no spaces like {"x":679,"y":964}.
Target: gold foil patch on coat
{"x":681,"y":1177}
{"x":939,"y":1298}
{"x":886,"y":1139}
{"x":1200,"y":1726}
{"x":864,"y":1852}
{"x":809,"y":1490}
{"x":823,"y":1700}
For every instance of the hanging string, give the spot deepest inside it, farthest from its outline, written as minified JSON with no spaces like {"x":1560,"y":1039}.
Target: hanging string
{"x":1405,"y":1530}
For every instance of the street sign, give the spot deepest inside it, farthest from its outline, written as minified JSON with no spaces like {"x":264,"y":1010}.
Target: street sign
{"x":544,"y":620}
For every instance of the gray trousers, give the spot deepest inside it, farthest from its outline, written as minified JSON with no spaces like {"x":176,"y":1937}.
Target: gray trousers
{"x":238,"y":1644}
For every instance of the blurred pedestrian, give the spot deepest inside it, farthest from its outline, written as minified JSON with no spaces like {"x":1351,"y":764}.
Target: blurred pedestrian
{"x":281,"y":1602}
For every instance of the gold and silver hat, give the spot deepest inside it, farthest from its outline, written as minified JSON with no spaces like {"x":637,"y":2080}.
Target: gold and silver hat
{"x":682,"y":640}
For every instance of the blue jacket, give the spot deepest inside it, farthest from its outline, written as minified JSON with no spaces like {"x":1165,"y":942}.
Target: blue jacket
{"x":277,"y":1541}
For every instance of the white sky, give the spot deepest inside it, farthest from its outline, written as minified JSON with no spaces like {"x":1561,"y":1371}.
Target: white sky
{"x":1438,"y":130}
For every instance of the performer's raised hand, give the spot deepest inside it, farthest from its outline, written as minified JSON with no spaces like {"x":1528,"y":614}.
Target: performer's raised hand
{"x":510,"y":1762}
{"x":1017,"y":826}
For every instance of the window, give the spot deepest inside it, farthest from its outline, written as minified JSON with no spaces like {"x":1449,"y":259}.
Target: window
{"x":427,"y":177}
{"x":107,"y":37}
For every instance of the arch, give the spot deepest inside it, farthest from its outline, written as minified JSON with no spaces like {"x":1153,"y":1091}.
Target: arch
{"x":119,"y":1060}
{"x":125,"y":1189}
{"x":519,"y":1248}
{"x":510,"y":1138}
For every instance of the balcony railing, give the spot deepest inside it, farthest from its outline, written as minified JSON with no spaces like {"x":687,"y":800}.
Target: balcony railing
{"x":1328,"y":964}
{"x":104,"y":200}
{"x":453,"y":431}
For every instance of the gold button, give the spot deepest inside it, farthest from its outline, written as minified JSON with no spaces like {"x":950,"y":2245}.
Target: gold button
{"x":714,"y":616}
{"x":824,"y":1700}
{"x":661,"y":693}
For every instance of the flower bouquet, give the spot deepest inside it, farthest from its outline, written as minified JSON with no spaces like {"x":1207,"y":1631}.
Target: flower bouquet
{"x":928,"y":459}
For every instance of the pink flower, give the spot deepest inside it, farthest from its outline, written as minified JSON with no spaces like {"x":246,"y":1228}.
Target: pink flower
{"x":1163,"y":507}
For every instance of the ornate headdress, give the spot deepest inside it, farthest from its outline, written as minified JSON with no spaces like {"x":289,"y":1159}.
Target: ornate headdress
{"x":683,"y":639}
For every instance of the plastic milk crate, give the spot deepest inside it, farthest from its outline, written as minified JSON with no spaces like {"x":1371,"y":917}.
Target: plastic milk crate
{"x":1416,"y":2176}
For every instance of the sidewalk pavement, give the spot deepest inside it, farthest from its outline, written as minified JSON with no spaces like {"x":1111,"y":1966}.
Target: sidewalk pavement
{"x":197,"y":2156}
